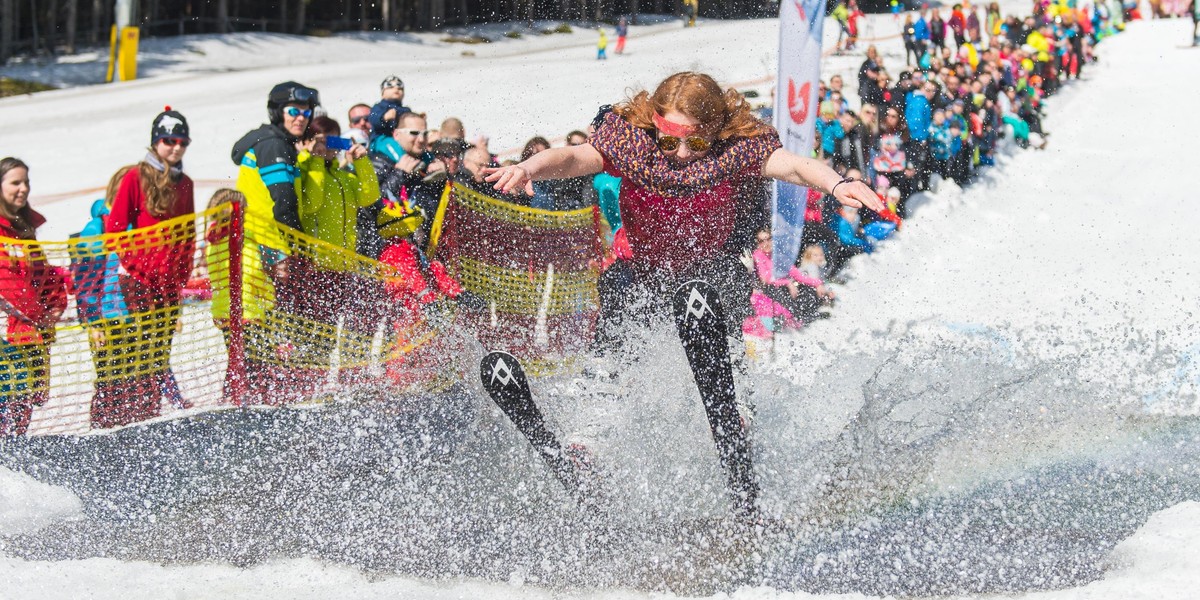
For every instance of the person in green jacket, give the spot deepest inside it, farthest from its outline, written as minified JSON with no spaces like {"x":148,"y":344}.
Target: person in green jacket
{"x":330,"y":195}
{"x":343,"y":285}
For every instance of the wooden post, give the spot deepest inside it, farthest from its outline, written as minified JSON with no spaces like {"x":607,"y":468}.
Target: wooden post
{"x":6,"y":29}
{"x":72,"y":16}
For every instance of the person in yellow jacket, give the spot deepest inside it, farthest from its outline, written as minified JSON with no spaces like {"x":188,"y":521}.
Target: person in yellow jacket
{"x":329,"y":196}
{"x":343,"y":285}
{"x":1038,"y":41}
{"x":258,"y":375}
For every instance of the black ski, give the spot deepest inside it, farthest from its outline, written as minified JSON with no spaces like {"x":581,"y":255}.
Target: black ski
{"x":505,"y":382}
{"x":701,"y":323}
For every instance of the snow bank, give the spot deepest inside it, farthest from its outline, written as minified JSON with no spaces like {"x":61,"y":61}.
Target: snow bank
{"x":1161,"y":560}
{"x":27,"y":505}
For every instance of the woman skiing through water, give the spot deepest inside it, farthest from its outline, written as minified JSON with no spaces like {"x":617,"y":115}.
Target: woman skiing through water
{"x":692,"y":161}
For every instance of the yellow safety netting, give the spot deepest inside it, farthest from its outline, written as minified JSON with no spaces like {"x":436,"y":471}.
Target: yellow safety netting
{"x":115,"y":329}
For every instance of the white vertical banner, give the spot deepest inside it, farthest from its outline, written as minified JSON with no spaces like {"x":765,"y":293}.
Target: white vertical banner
{"x":123,"y":13}
{"x":800,"y":24}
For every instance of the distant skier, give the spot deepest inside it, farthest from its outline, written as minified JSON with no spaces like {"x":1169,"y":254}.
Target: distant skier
{"x":622,"y":31}
{"x":602,"y":45}
{"x":690,"y":8}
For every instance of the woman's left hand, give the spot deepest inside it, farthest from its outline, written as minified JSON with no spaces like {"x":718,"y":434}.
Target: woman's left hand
{"x":857,"y":194}
{"x":509,"y":179}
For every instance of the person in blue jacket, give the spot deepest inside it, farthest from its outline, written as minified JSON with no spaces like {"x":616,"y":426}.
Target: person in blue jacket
{"x":921,"y":33}
{"x":846,"y":224}
{"x":384,"y":114}
{"x":918,"y":113}
{"x":831,"y":130}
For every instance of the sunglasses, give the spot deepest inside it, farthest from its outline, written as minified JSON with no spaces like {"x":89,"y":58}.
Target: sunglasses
{"x":670,"y":143}
{"x":417,"y":132}
{"x":357,"y":120}
{"x":170,"y":142}
{"x":294,"y":112}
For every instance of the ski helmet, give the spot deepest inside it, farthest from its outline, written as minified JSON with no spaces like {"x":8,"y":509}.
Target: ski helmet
{"x":289,"y":92}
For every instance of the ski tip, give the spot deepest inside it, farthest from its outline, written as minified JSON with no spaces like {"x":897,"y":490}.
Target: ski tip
{"x":499,"y":370}
{"x":498,"y":354}
{"x":692,"y":283}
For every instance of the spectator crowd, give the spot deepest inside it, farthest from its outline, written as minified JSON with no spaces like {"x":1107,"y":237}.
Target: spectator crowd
{"x":374,"y":188}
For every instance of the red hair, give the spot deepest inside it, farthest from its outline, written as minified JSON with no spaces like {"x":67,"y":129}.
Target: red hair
{"x":724,"y":114}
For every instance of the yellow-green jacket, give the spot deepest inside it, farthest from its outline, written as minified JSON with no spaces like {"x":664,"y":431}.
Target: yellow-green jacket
{"x":329,"y":199}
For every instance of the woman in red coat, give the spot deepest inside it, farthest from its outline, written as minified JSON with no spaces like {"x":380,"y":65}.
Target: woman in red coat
{"x":33,"y":294}
{"x":157,"y":258}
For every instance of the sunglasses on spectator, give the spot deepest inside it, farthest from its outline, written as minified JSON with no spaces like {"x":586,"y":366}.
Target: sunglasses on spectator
{"x":670,"y":143}
{"x":294,"y":112}
{"x":417,"y":132}
{"x":357,"y":120}
{"x":170,"y":142}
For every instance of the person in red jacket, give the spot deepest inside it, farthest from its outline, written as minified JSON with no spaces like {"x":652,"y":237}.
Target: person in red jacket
{"x":414,"y":282}
{"x":157,"y":259}
{"x":33,"y":294}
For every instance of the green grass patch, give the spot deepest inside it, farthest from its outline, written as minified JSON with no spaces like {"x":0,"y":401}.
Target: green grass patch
{"x":466,"y":39}
{"x":16,"y":87}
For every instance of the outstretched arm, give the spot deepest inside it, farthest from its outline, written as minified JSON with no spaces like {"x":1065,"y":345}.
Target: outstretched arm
{"x":792,"y":168}
{"x":556,"y":163}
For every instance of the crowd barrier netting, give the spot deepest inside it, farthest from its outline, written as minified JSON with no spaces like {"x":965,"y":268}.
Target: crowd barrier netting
{"x":228,"y":308}
{"x":536,"y":269}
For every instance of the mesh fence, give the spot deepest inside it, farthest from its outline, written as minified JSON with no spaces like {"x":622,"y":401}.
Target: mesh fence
{"x":226,"y":307}
{"x":536,"y":270}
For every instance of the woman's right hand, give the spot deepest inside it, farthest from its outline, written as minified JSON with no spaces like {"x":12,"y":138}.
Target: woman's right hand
{"x":97,"y":336}
{"x":509,"y":179}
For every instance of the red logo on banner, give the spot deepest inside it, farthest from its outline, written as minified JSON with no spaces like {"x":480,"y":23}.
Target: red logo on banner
{"x":800,"y":9}
{"x":798,"y":101}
